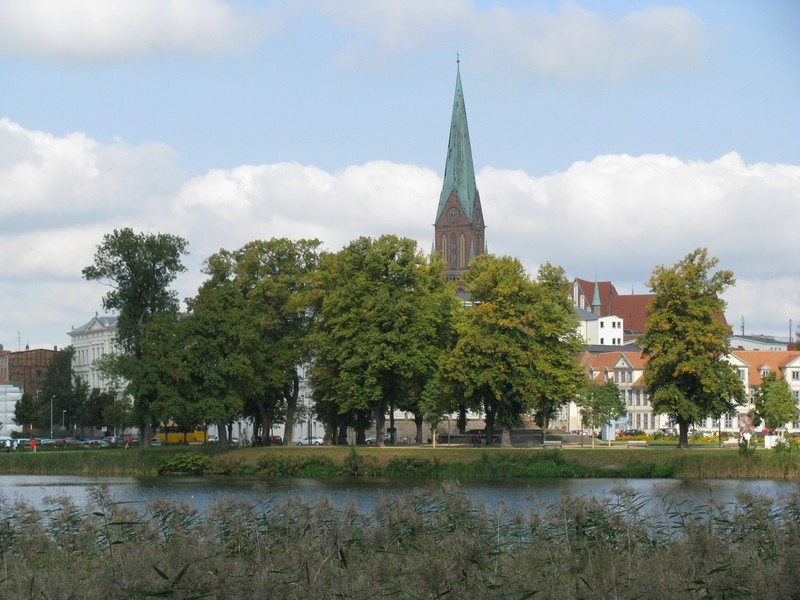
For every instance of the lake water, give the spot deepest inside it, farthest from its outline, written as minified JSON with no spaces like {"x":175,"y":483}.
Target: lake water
{"x":521,"y":496}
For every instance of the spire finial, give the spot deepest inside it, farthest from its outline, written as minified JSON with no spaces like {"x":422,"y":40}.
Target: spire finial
{"x":458,"y":59}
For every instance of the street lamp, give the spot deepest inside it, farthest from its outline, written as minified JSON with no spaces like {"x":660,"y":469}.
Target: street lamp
{"x":51,"y":415}
{"x":63,"y":414}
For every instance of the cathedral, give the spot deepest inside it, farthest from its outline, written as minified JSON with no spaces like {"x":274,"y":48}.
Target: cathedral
{"x":459,"y":227}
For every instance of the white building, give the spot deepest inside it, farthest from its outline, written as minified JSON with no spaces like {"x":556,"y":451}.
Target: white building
{"x":600,"y":331}
{"x":626,"y":369}
{"x":92,"y":341}
{"x":10,"y":394}
{"x":754,"y":365}
{"x":756,"y":342}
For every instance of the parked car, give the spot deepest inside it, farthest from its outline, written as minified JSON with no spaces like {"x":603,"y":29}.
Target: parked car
{"x":310,"y":441}
{"x":156,"y":442}
{"x":97,"y":443}
{"x":631,"y":433}
{"x":387,"y":439}
{"x":669,"y":431}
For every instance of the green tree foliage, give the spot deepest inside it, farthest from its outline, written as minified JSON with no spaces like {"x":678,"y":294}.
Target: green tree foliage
{"x":118,"y":415}
{"x":516,"y":344}
{"x":139,"y":268}
{"x":600,"y":403}
{"x":27,"y":413}
{"x":255,"y":312}
{"x":60,"y":386}
{"x":380,"y":328}
{"x":774,"y":402}
{"x":684,"y":341}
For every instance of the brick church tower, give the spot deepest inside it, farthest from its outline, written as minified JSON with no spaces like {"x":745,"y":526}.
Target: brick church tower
{"x":459,"y":227}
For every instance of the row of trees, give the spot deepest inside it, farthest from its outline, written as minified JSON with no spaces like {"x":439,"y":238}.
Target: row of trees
{"x":378,"y":329}
{"x":375,"y":324}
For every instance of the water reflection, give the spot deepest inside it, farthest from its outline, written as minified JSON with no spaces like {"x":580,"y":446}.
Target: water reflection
{"x":519,"y":496}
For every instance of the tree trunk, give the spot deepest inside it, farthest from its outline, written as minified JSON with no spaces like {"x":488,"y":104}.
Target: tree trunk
{"x":683,"y":433}
{"x":491,"y":411}
{"x":380,"y":420}
{"x":291,"y":408}
{"x":462,"y":420}
{"x":419,"y":422}
{"x":341,"y":438}
{"x":147,"y":433}
{"x":223,"y":435}
{"x":505,"y":437}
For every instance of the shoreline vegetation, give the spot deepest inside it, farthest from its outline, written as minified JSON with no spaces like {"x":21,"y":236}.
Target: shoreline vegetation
{"x":442,"y":463}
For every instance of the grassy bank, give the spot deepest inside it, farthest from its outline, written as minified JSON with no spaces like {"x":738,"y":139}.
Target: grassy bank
{"x":413,"y":462}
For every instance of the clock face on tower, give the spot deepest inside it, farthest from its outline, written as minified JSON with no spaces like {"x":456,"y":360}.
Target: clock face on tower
{"x":453,"y":214}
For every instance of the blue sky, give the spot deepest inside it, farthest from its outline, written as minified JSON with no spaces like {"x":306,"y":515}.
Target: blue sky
{"x":608,"y":137}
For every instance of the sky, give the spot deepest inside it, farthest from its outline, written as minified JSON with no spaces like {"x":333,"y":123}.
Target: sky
{"x":608,"y":137}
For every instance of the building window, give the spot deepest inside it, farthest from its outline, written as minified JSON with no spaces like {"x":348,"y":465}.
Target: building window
{"x":444,"y":249}
{"x":796,"y":375}
{"x":728,"y":421}
{"x":462,"y":252}
{"x":742,"y":374}
{"x":602,"y":341}
{"x":602,"y":324}
{"x":764,"y":372}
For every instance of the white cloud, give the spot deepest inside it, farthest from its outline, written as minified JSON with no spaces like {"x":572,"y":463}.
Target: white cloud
{"x":615,"y":217}
{"x":572,"y":42}
{"x":115,"y":29}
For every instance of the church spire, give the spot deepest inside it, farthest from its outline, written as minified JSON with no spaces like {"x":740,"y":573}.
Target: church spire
{"x":459,"y":172}
{"x":459,"y":222}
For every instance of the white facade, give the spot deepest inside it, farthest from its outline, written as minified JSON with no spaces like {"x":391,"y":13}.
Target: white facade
{"x":754,"y":365}
{"x":92,"y":341}
{"x":626,"y":369}
{"x":600,"y":331}
{"x":9,"y":396}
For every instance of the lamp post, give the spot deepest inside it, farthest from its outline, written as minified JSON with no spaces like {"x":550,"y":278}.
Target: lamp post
{"x":51,"y":415}
{"x":63,"y":414}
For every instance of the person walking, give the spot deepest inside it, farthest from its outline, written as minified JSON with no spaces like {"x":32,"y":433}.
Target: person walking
{"x":33,"y":444}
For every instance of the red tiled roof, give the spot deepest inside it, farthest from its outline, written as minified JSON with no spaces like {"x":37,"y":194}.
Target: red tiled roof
{"x":774,"y":360}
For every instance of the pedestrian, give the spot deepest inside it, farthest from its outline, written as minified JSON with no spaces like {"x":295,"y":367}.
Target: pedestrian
{"x":33,"y":444}
{"x":8,"y":445}
{"x":128,"y":443}
{"x":476,"y":441}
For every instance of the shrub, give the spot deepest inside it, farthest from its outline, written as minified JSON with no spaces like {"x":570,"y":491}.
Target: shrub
{"x":185,"y":462}
{"x":274,"y":465}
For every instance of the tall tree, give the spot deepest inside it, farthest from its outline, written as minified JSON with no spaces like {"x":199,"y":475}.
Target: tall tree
{"x":684,"y":340}
{"x":774,"y":402}
{"x":258,"y":306}
{"x":139,"y":268}
{"x":378,"y":335}
{"x":59,"y":386}
{"x":516,"y":344}
{"x":600,"y":403}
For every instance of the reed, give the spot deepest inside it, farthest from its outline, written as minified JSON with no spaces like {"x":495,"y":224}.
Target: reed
{"x":432,"y":545}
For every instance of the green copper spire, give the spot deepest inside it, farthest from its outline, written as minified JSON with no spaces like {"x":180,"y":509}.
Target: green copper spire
{"x":596,"y":304}
{"x":459,"y":173}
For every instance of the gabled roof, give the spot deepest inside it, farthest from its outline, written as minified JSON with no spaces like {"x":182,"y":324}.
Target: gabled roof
{"x":632,"y":309}
{"x":775,"y":360}
{"x":459,"y":172}
{"x":608,"y":360}
{"x":605,"y":290}
{"x":97,"y":322}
